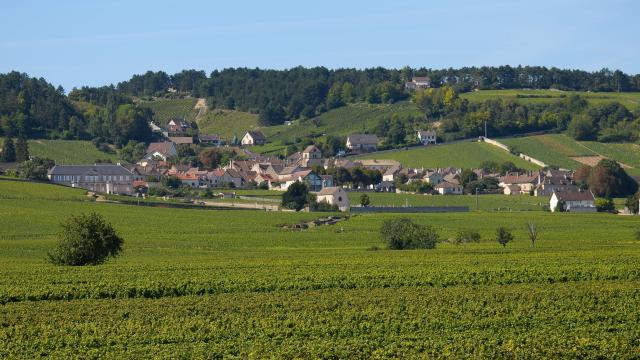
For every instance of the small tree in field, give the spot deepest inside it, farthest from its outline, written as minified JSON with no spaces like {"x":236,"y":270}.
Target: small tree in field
{"x":364,"y":200}
{"x":532,"y":232}
{"x":503,"y":236}
{"x":402,"y":233}
{"x":296,"y":197}
{"x":86,"y":239}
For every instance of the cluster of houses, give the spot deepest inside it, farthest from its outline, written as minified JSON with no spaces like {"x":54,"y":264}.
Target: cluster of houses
{"x":278,"y":174}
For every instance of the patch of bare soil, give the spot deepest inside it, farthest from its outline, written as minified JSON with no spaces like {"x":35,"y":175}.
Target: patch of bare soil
{"x":593,"y":160}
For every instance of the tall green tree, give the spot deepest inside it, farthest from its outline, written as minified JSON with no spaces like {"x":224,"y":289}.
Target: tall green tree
{"x":8,"y":151}
{"x":22,"y":149}
{"x":296,"y":197}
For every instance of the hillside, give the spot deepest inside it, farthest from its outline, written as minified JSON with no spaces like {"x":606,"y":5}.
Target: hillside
{"x":341,"y":121}
{"x":165,"y":109}
{"x":563,"y":151}
{"x":629,"y":99}
{"x":68,"y":151}
{"x":466,"y":154}
{"x":227,"y":123}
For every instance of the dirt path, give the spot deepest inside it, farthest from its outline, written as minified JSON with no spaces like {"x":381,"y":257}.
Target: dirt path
{"x":594,"y":159}
{"x":201,"y":106}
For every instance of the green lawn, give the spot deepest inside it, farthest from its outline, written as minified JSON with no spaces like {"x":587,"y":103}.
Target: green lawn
{"x":465,"y":154}
{"x":629,"y":99}
{"x":234,"y":284}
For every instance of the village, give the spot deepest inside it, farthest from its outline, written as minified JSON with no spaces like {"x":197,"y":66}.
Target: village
{"x":329,"y":178}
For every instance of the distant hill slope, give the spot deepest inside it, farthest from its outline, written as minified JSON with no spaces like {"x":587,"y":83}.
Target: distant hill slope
{"x":466,"y":154}
{"x":629,"y":99}
{"x":563,"y":151}
{"x":227,"y":123}
{"x":68,"y":151}
{"x":341,"y":121}
{"x":165,"y":109}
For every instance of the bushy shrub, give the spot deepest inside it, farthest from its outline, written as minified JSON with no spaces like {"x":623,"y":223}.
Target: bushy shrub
{"x":466,"y":236}
{"x":86,"y":239}
{"x":402,"y":233}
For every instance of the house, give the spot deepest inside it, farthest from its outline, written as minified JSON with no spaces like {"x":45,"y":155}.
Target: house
{"x":418,"y":82}
{"x":154,"y":127}
{"x":103,"y":178}
{"x":390,"y":174}
{"x":253,"y":138}
{"x":573,"y":201}
{"x":177,"y":126}
{"x":312,"y":180}
{"x":212,"y":139}
{"x":526,"y":182}
{"x":552,"y":184}
{"x":386,"y":186}
{"x":447,"y":188}
{"x":311,"y":156}
{"x":162,"y":150}
{"x":327,"y":180}
{"x":362,"y":143}
{"x":224,"y":178}
{"x":334,"y":196}
{"x":427,"y":137}
{"x":433,"y":177}
{"x":190,"y":180}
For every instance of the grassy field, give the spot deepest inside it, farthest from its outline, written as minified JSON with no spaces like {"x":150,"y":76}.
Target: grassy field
{"x":340,"y":122}
{"x":234,"y":284}
{"x":68,"y":151}
{"x":465,"y":154}
{"x":485,"y":202}
{"x":629,"y":99}
{"x":227,"y":123}
{"x":165,"y":109}
{"x":560,"y":150}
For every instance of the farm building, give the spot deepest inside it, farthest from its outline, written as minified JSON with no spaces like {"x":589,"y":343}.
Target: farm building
{"x":362,"y":142}
{"x":253,"y":138}
{"x":427,"y":137}
{"x":162,"y":150}
{"x":447,"y":188}
{"x":334,"y":196}
{"x":103,"y":178}
{"x":210,"y":139}
{"x":573,"y":201}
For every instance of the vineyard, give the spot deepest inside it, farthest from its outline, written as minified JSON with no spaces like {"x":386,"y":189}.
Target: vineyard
{"x":213,"y":284}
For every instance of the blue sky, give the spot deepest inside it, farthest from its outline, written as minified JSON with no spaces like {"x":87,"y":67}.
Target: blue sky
{"x":74,"y":43}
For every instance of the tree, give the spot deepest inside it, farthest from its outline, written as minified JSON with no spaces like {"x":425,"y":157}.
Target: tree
{"x":609,"y":179}
{"x":466,"y":236}
{"x":86,"y":239}
{"x":364,"y":200}
{"x":296,"y":197}
{"x":35,"y":168}
{"x":22,"y":149}
{"x":467,"y":176}
{"x":210,"y":158}
{"x":171,"y":182}
{"x":532,"y":232}
{"x":632,"y":203}
{"x":503,"y":236}
{"x":271,"y":115}
{"x":133,"y":151}
{"x":581,"y":128}
{"x":402,"y":233}
{"x":605,"y":205}
{"x":8,"y":151}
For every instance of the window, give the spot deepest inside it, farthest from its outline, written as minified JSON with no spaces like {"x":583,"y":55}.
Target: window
{"x":339,"y":198}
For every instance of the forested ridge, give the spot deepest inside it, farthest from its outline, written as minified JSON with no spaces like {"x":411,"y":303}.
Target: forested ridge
{"x":32,"y":107}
